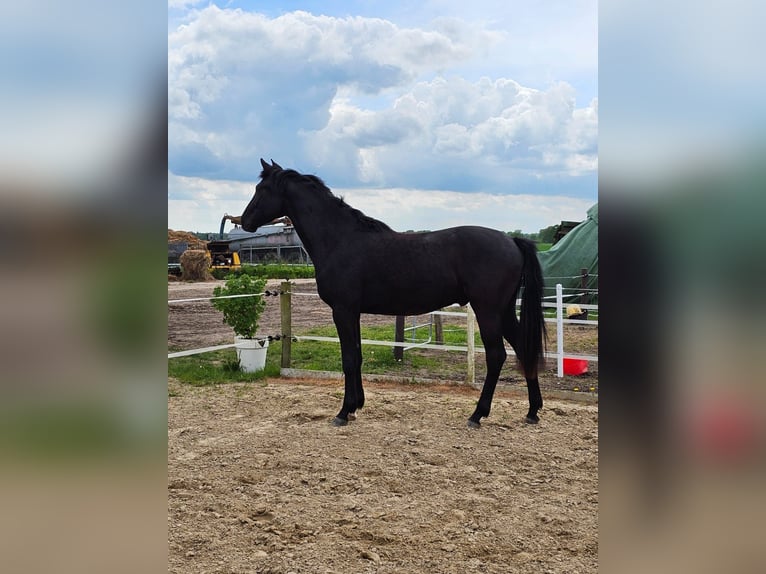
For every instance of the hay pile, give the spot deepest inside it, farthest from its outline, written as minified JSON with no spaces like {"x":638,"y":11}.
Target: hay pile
{"x":196,"y":265}
{"x":191,"y":240}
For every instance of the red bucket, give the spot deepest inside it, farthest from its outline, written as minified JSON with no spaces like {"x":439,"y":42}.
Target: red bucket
{"x":575,"y":366}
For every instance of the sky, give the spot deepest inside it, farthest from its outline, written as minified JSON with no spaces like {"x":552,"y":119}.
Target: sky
{"x":422,"y":114}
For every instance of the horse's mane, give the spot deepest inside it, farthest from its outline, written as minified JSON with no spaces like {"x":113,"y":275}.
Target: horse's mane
{"x":365,"y":222}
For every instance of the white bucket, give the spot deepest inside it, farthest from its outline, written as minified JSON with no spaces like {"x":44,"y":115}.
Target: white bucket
{"x":251,"y":353}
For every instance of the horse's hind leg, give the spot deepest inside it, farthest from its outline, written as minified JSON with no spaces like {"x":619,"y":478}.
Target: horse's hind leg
{"x":490,"y":327}
{"x":358,"y":383}
{"x":349,"y":334}
{"x":535,"y":400}
{"x":512,"y":332}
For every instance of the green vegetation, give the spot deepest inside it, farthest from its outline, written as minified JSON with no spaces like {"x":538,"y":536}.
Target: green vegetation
{"x":452,"y":335}
{"x":242,"y":313}
{"x":544,"y":236}
{"x":219,"y":367}
{"x":320,"y":356}
{"x":547,"y":234}
{"x":269,"y":271}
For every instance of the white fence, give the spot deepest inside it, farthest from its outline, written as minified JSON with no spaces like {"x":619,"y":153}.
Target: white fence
{"x":470,"y":348}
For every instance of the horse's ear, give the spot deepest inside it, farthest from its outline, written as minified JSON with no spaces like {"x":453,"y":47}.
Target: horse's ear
{"x":275,"y":165}
{"x":266,"y":167}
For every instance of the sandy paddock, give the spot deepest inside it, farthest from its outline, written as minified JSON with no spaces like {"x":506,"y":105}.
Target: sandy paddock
{"x":259,"y":481}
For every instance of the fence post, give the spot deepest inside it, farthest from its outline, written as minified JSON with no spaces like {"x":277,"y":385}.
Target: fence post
{"x":560,"y":329}
{"x":399,"y":337}
{"x":285,"y":307}
{"x":583,"y":285}
{"x":438,"y":330}
{"x":470,"y":376}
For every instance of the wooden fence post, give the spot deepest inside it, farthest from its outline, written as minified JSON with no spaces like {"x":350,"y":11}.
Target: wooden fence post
{"x":399,"y":337}
{"x":438,"y":330}
{"x":285,"y":307}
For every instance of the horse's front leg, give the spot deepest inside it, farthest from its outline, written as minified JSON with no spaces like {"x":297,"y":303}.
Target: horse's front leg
{"x":347,"y":323}
{"x":358,"y":377}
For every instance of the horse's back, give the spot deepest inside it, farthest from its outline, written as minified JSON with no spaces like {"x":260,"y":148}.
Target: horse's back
{"x":479,"y":250}
{"x":488,"y":262}
{"x":411,"y":273}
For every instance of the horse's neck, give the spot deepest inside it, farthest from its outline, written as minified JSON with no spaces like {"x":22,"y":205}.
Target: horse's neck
{"x":319,"y":220}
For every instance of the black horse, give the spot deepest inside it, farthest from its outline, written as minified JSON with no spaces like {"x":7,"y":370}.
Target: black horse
{"x":363,"y":266}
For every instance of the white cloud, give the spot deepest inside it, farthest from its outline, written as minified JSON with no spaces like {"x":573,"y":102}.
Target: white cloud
{"x":223,"y":51}
{"x":405,"y":209}
{"x":181,"y":187}
{"x":197,"y":204}
{"x":241,"y":84}
{"x":181,"y":4}
{"x":366,"y":103}
{"x":447,"y":120}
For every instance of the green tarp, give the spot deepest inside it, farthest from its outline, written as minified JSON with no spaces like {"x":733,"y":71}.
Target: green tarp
{"x":563,"y":262}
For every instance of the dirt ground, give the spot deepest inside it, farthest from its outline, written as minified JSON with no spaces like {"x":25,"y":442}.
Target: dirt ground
{"x":260,"y":482}
{"x":197,"y":324}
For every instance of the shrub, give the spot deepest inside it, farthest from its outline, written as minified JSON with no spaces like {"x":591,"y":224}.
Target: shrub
{"x":241,"y":313}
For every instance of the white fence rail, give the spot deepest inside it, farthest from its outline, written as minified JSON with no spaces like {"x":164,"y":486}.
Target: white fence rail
{"x":470,"y":348}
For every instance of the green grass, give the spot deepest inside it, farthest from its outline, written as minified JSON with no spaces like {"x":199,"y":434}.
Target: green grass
{"x":221,"y":366}
{"x":377,"y":359}
{"x":452,"y":335}
{"x":544,"y":246}
{"x":218,"y":367}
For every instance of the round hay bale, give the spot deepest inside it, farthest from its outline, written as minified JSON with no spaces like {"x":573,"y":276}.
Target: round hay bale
{"x":196,"y":265}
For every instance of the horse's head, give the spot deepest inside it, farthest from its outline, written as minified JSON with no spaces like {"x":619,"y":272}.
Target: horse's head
{"x":267,"y":203}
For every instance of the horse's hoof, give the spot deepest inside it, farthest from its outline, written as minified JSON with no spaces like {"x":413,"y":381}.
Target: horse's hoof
{"x":473,"y":424}
{"x":351,"y":416}
{"x":532,"y":420}
{"x":339,"y":422}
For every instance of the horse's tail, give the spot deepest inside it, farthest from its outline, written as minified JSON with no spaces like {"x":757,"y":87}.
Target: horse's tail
{"x":533,"y":333}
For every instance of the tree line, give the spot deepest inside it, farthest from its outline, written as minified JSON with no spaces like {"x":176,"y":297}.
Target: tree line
{"x":545,"y":235}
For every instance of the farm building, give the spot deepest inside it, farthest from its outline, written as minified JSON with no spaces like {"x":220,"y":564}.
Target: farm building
{"x":269,"y":243}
